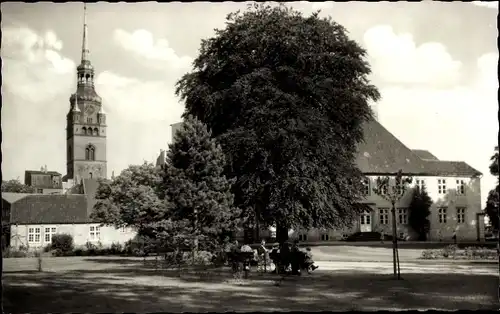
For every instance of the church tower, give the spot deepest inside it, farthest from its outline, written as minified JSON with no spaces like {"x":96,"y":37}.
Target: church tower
{"x":86,"y":123}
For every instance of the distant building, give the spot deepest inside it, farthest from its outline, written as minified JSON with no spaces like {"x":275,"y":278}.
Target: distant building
{"x":454,"y":187}
{"x":43,"y":181}
{"x":32,"y":219}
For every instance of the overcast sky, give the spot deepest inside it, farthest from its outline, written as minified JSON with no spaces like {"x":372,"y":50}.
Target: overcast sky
{"x":435,"y":64}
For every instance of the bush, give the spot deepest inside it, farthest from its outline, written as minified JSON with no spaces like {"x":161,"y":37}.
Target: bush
{"x":449,"y":251}
{"x":62,"y":243}
{"x":8,"y":252}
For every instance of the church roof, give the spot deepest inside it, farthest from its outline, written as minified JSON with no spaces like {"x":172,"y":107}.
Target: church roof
{"x":54,"y":173}
{"x":50,"y":209}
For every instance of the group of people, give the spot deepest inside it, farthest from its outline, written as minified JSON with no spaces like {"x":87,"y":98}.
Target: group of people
{"x":285,"y":257}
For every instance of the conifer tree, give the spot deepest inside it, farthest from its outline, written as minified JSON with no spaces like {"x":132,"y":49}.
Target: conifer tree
{"x":419,"y":211}
{"x":197,"y":192}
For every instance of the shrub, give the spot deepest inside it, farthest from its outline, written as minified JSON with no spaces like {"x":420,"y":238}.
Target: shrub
{"x":449,"y":251}
{"x":429,"y":254}
{"x":116,"y":248}
{"x":9,"y":252}
{"x":62,"y":242}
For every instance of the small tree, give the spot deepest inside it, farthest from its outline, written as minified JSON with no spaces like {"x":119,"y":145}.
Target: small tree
{"x":419,"y":211}
{"x":392,"y":191}
{"x":493,"y":198}
{"x":15,"y":186}
{"x":198,"y":194}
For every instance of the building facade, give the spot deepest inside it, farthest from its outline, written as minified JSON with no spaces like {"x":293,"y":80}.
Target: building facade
{"x":44,"y":181}
{"x":453,"y":186}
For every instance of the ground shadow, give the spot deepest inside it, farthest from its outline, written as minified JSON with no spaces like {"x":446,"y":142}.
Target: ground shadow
{"x":140,"y":289}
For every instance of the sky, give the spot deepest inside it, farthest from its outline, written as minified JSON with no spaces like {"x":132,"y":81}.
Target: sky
{"x":435,"y":64}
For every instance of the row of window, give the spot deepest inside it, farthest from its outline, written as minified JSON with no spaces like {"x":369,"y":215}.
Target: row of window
{"x":90,"y":131}
{"x":35,"y":234}
{"x":383,"y":215}
{"x":419,"y":184}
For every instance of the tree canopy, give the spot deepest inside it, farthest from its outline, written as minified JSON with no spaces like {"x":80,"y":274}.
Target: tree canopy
{"x":132,"y":199}
{"x":286,"y":96}
{"x":15,"y":186}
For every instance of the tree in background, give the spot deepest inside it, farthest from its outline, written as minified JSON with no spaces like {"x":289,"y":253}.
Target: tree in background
{"x":419,"y":212}
{"x":132,"y":199}
{"x":286,"y":96}
{"x":197,"y":192}
{"x":493,"y":196}
{"x":15,"y":186}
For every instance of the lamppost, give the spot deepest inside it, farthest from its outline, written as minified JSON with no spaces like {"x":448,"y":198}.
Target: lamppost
{"x":393,"y":193}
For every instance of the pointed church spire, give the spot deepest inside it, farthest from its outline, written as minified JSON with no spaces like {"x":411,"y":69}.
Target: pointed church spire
{"x":85,"y":46}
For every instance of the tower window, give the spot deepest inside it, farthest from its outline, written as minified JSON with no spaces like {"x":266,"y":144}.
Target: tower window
{"x":90,"y":153}
{"x":96,"y":131}
{"x":84,"y":130}
{"x":89,"y":120}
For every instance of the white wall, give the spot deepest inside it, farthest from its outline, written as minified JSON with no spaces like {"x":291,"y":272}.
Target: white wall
{"x":80,"y":233}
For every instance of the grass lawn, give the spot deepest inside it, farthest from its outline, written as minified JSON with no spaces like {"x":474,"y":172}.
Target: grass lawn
{"x":114,"y":284}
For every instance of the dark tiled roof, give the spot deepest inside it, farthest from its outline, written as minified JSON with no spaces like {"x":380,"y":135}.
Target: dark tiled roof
{"x":42,"y":172}
{"x":382,"y":153}
{"x":50,"y":209}
{"x":424,"y":154}
{"x":10,"y":197}
{"x":450,"y":168}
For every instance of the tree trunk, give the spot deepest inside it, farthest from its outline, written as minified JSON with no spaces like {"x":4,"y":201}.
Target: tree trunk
{"x":281,"y":233}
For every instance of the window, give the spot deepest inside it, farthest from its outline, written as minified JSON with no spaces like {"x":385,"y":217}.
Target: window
{"x":460,"y":215}
{"x":49,"y":232}
{"x":383,"y":189}
{"x":441,"y":186}
{"x":325,"y":237}
{"x":366,"y":186}
{"x":84,"y":130}
{"x":34,"y":235}
{"x":89,"y":120}
{"x":95,"y":233}
{"x":384,"y":216}
{"x":442,"y":215}
{"x":90,"y":153}
{"x":403,"y":215}
{"x":460,"y":187}
{"x":39,"y":191}
{"x":96,"y":131}
{"x":302,"y":237}
{"x":420,"y":184}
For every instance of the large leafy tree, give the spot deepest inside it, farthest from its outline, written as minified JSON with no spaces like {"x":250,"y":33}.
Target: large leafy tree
{"x":196,"y":190}
{"x":15,"y":186}
{"x":419,"y":212}
{"x":493,"y":196}
{"x":286,"y":96}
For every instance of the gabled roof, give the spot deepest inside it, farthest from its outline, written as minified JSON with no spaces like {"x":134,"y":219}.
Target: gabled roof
{"x":11,"y":198}
{"x":424,"y":154}
{"x":382,"y":153}
{"x":50,"y":209}
{"x":54,"y":173}
{"x":450,"y":168}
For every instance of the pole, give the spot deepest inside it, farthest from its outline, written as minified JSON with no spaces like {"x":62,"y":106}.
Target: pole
{"x":394,"y":240}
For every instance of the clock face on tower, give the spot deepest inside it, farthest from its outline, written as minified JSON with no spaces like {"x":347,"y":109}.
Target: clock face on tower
{"x":89,"y":109}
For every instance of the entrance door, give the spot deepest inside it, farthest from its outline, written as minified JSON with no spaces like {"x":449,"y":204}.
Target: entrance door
{"x":365,"y":222}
